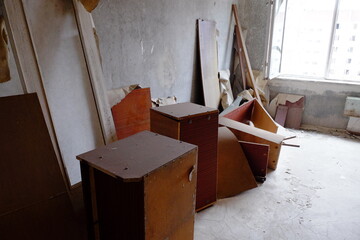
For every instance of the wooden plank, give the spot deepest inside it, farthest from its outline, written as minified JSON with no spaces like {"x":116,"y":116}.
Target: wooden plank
{"x":257,"y":156}
{"x":93,"y":61}
{"x":209,"y":62}
{"x":29,"y":171}
{"x":241,"y":45}
{"x":28,"y":68}
{"x":261,"y":118}
{"x":170,"y":199}
{"x":234,"y":173}
{"x":280,"y":116}
{"x":132,"y":114}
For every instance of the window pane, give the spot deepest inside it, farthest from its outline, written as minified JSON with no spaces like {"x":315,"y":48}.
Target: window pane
{"x":345,"y":54}
{"x":307,"y":37}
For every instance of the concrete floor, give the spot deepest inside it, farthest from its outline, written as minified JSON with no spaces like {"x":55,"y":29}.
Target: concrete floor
{"x":313,"y":194}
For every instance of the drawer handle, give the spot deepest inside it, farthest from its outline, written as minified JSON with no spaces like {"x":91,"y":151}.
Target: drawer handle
{"x":192,"y":170}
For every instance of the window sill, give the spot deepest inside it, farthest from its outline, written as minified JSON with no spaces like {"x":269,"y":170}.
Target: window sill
{"x":317,"y":80}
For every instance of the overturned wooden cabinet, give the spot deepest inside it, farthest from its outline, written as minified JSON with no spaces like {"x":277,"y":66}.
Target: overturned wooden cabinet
{"x":197,"y":125}
{"x":141,"y":187}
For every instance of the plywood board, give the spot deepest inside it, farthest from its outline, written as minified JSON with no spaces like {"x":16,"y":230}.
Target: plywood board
{"x":29,"y":171}
{"x":234,"y":173}
{"x":281,"y":112}
{"x":132,"y":114}
{"x":253,"y":111}
{"x":252,"y":134}
{"x":257,"y":156}
{"x":209,"y":62}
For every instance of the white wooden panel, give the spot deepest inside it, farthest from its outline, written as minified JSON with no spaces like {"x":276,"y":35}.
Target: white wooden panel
{"x":66,"y":81}
{"x":352,"y":107}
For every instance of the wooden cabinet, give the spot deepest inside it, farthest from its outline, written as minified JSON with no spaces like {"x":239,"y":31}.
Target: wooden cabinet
{"x":197,"y":125}
{"x":141,"y":187}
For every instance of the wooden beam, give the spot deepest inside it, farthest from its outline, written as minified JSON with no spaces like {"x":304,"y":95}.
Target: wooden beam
{"x":240,"y":41}
{"x":93,"y":62}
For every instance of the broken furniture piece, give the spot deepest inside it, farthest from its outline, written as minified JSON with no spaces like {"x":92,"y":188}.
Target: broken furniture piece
{"x":258,"y":157}
{"x":234,"y":173}
{"x":130,"y":108}
{"x":34,"y":202}
{"x":287,"y":110}
{"x":197,"y":125}
{"x":251,"y":123}
{"x":140,"y":187}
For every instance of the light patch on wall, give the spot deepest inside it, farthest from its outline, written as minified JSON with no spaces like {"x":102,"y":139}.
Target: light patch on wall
{"x":166,"y":70}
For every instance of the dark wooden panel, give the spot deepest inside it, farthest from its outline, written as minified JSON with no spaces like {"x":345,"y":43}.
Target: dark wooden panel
{"x":29,"y":171}
{"x":120,"y":207}
{"x":181,"y":111}
{"x":49,"y":219}
{"x":203,"y":132}
{"x":257,"y":156}
{"x":126,"y":158}
{"x":234,"y":173}
{"x":132,"y":114}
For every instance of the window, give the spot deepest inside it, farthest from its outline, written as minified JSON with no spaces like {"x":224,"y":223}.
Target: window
{"x":320,"y":39}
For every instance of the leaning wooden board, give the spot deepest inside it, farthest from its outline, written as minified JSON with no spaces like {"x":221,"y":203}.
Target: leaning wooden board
{"x":252,"y":134}
{"x":140,"y":187}
{"x":234,"y":173}
{"x":197,"y":125}
{"x":132,"y":114}
{"x":209,"y":62}
{"x":34,"y":203}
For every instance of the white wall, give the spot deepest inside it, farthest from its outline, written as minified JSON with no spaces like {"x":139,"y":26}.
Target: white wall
{"x":154,"y":43}
{"x":62,"y":65}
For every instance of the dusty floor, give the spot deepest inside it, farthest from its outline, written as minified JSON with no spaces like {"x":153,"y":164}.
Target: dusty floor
{"x":313,"y":194}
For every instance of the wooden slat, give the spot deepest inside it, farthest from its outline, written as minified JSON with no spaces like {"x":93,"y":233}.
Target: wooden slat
{"x":241,"y":45}
{"x":132,"y":114}
{"x":93,"y":61}
{"x":209,"y":62}
{"x":170,"y":199}
{"x":234,"y":173}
